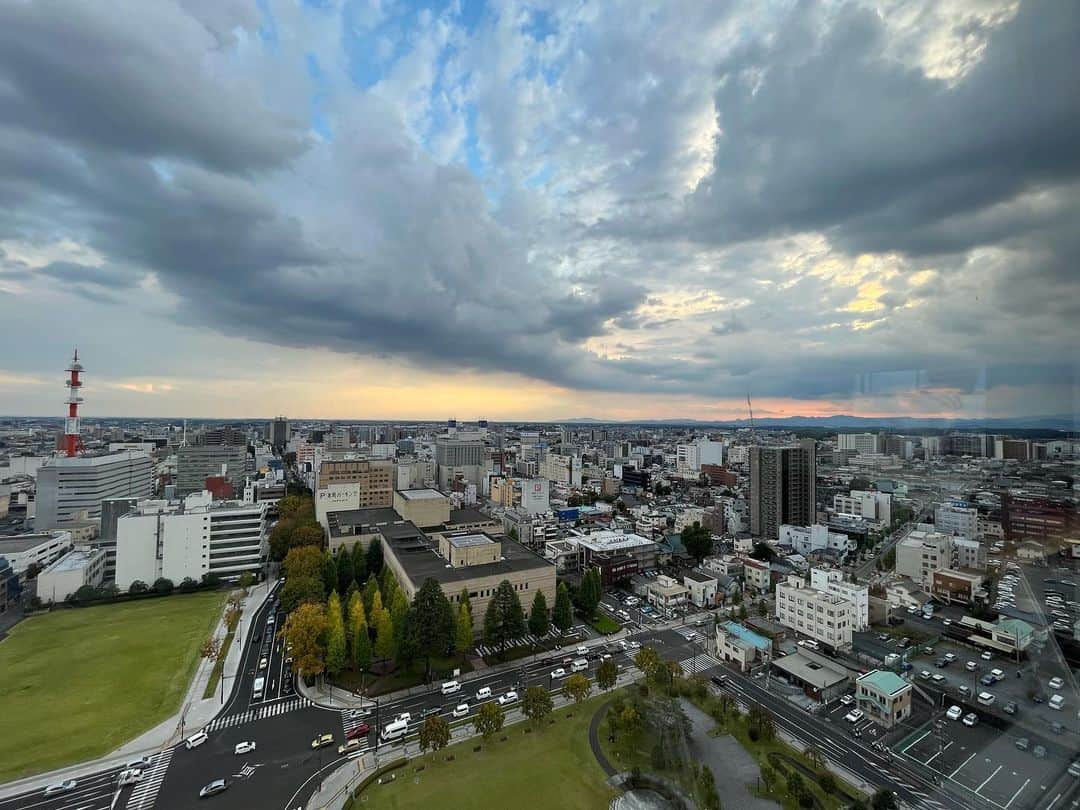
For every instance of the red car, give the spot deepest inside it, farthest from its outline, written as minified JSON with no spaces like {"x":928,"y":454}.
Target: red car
{"x":360,"y":731}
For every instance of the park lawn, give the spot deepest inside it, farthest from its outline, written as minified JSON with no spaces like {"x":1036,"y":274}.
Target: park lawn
{"x":553,"y":766}
{"x":76,"y":684}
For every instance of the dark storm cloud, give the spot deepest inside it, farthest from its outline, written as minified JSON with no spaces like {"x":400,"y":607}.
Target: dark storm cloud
{"x":108,"y":277}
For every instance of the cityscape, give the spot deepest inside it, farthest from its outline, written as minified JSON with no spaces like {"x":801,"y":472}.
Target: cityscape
{"x":613,"y":406}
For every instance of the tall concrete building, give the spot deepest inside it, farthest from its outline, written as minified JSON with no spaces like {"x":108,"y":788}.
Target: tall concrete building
{"x":195,"y":463}
{"x":68,"y":486}
{"x":782,"y":488}
{"x":353,"y":484}
{"x":459,"y":453}
{"x":860,"y":442}
{"x":278,"y":433}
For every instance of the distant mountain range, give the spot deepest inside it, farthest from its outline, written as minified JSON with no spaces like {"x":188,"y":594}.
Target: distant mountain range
{"x":1060,"y":422}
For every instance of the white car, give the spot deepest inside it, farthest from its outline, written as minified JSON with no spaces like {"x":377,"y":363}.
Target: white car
{"x":954,"y":713}
{"x":847,"y":700}
{"x":1056,"y":683}
{"x":987,"y":656}
{"x":403,"y":717}
{"x":244,"y":747}
{"x":971,"y":666}
{"x":582,"y":650}
{"x":854,"y":716}
{"x":634,"y":645}
{"x":970,"y":719}
{"x":130,"y":776}
{"x":60,"y":787}
{"x":558,"y":673}
{"x":509,"y":697}
{"x":460,"y":710}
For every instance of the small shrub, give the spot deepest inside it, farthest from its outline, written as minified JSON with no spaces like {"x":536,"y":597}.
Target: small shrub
{"x":753,"y":734}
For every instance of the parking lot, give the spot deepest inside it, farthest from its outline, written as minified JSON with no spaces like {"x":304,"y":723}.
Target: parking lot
{"x":985,"y":762}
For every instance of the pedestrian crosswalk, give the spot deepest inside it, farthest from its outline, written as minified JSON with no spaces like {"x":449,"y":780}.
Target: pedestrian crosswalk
{"x":146,"y":791}
{"x":349,"y":721}
{"x":698,"y":663}
{"x":259,"y":713}
{"x":527,"y":640}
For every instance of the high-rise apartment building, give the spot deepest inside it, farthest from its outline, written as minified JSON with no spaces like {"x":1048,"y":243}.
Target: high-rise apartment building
{"x":782,"y":488}
{"x":197,"y":462}
{"x":459,"y":454}
{"x":68,"y":486}
{"x":861,"y":442}
{"x":278,"y":433}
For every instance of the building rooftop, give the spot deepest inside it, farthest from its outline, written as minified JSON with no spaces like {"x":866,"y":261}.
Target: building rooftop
{"x":420,"y":559}
{"x":817,"y":674}
{"x":420,"y":494}
{"x":698,"y":576}
{"x":24,"y":542}
{"x":746,"y":635}
{"x":611,"y":540}
{"x":468,"y":515}
{"x":468,"y":540}
{"x":74,"y":561}
{"x":884,"y":681}
{"x":344,"y":522}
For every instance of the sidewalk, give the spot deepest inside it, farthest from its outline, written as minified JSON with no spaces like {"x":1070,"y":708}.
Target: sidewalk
{"x":193,"y":715}
{"x":335,"y":789}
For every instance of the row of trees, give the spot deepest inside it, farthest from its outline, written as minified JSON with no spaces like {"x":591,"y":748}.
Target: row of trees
{"x":296,"y":526}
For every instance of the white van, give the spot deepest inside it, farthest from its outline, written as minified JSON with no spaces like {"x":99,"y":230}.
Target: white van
{"x":483,"y":693}
{"x":195,"y":740}
{"x":985,"y":698}
{"x":1056,"y":702}
{"x":580,"y":665}
{"x":257,"y":690}
{"x":450,"y":687}
{"x":394,"y":731}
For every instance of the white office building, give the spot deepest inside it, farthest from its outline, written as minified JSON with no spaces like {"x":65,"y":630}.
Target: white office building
{"x":67,"y":486}
{"x":923,"y":552}
{"x":832,"y":581}
{"x":806,"y":539}
{"x":861,"y":443}
{"x":535,"y":496}
{"x":825,"y":617}
{"x":39,"y":548}
{"x":190,"y":538}
{"x":956,"y":518}
{"x":71,"y":572}
{"x":876,"y":506}
{"x":565,"y":470}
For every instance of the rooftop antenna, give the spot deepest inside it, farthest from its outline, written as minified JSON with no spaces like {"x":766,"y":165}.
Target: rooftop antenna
{"x":183,"y":439}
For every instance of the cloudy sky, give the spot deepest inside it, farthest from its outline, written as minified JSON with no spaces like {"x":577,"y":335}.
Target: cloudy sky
{"x":540,"y":209}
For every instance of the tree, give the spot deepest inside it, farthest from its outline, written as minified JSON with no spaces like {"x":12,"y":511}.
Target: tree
{"x":280,"y":537}
{"x":305,"y":629}
{"x":762,"y":608}
{"x":463,"y":630}
{"x":563,"y":615}
{"x":827,"y":782}
{"x":795,"y":784}
{"x":742,"y":612}
{"x":247,"y":579}
{"x":308,"y":534}
{"x":504,"y":619}
{"x":388,"y":586}
{"x":359,"y":563}
{"x":883,"y":800}
{"x":399,"y":609}
{"x":763,"y":552}
{"x":138,"y":586}
{"x":577,"y":687}
{"x":647,"y":660}
{"x":163,"y":585}
{"x":607,"y":674}
{"x":385,"y":642}
{"x":354,"y":617}
{"x":590,"y":592}
{"x":434,"y":733}
{"x":815,"y":757}
{"x":188,"y":585}
{"x":371,"y":590}
{"x":539,"y":622}
{"x":706,"y":789}
{"x":335,"y":635}
{"x":512,"y":534}
{"x":329,"y":571}
{"x":489,"y":720}
{"x":428,"y":624}
{"x":374,"y":558}
{"x":536,"y":703}
{"x":762,"y":720}
{"x":304,"y":561}
{"x":697,"y":540}
{"x":768,"y":777}
{"x":301,"y":590}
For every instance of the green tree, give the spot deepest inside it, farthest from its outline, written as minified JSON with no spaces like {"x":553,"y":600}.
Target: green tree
{"x":302,"y":590}
{"x":399,"y":609}
{"x":536,"y":703}
{"x":304,"y":561}
{"x":827,"y":782}
{"x":335,"y":635}
{"x":742,"y":612}
{"x":434,"y":733}
{"x":577,"y":687}
{"x":344,"y":571}
{"x":428,"y":624}
{"x":280,"y":536}
{"x":305,"y":629}
{"x":706,"y":789}
{"x":697,"y":540}
{"x":768,"y":777}
{"x":883,"y":800}
{"x":138,"y":586}
{"x":371,"y":590}
{"x":488,"y":721}
{"x":607,"y":674}
{"x":374,"y":558}
{"x":795,"y":784}
{"x":307,"y":534}
{"x":463,"y":629}
{"x":504,"y":619}
{"x":762,"y":608}
{"x":354,"y":617}
{"x":388,"y":586}
{"x":647,"y":660}
{"x":539,"y":622}
{"x":359,"y":563}
{"x":247,"y":579}
{"x":385,"y":640}
{"x":815,"y":757}
{"x":563,"y":616}
{"x":329,"y":571}
{"x":762,"y":720}
{"x":590,"y":592}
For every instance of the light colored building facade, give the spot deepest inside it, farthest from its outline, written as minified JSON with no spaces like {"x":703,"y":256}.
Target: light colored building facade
{"x":806,"y":539}
{"x":968,"y":553}
{"x":921,"y":553}
{"x":190,"y":538}
{"x":861,"y":442}
{"x":560,"y":469}
{"x":423,"y":507}
{"x":197,"y":462}
{"x":535,"y":496}
{"x":666,"y":594}
{"x":702,"y":588}
{"x":883,"y":696}
{"x":736,"y":644}
{"x":67,"y":487}
{"x":832,"y":581}
{"x":756,"y":574}
{"x":459,"y":454}
{"x":822,"y":616}
{"x":38,"y":548}
{"x":352,"y":484}
{"x":876,"y":506}
{"x":71,"y":572}
{"x":957,"y":519}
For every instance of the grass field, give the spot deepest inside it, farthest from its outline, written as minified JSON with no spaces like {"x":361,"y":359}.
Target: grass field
{"x":552,"y":766}
{"x":76,"y":684}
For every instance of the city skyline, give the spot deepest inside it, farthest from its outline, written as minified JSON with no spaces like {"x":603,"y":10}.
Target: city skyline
{"x":537,"y":211}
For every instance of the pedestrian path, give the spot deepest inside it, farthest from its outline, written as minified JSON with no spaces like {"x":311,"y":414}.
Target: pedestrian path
{"x":259,"y":713}
{"x":144,"y":794}
{"x":698,"y":663}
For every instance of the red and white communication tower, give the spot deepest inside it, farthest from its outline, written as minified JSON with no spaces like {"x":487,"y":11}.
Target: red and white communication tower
{"x":72,"y":439}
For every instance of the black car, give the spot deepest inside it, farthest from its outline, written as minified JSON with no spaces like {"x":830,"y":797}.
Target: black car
{"x":214,"y":788}
{"x":719,"y":680}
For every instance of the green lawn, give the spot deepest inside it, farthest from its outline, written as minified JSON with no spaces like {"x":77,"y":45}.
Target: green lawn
{"x":76,"y":684}
{"x":552,"y":766}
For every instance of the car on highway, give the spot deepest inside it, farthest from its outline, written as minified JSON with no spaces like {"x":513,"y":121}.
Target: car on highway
{"x":430,"y":711}
{"x":582,"y":650}
{"x":483,"y":693}
{"x":971,"y":666}
{"x":461,"y":710}
{"x":130,"y":776}
{"x":322,"y":741}
{"x":357,"y":732}
{"x":950,"y":657}
{"x":509,"y":697}
{"x":557,"y":673}
{"x":970,"y":719}
{"x":356,"y":714}
{"x":954,"y":713}
{"x":141,"y":762}
{"x":925,"y":674}
{"x":938,"y":678}
{"x":214,"y":788}
{"x":245,"y":747}
{"x":854,"y":716}
{"x":349,"y":747}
